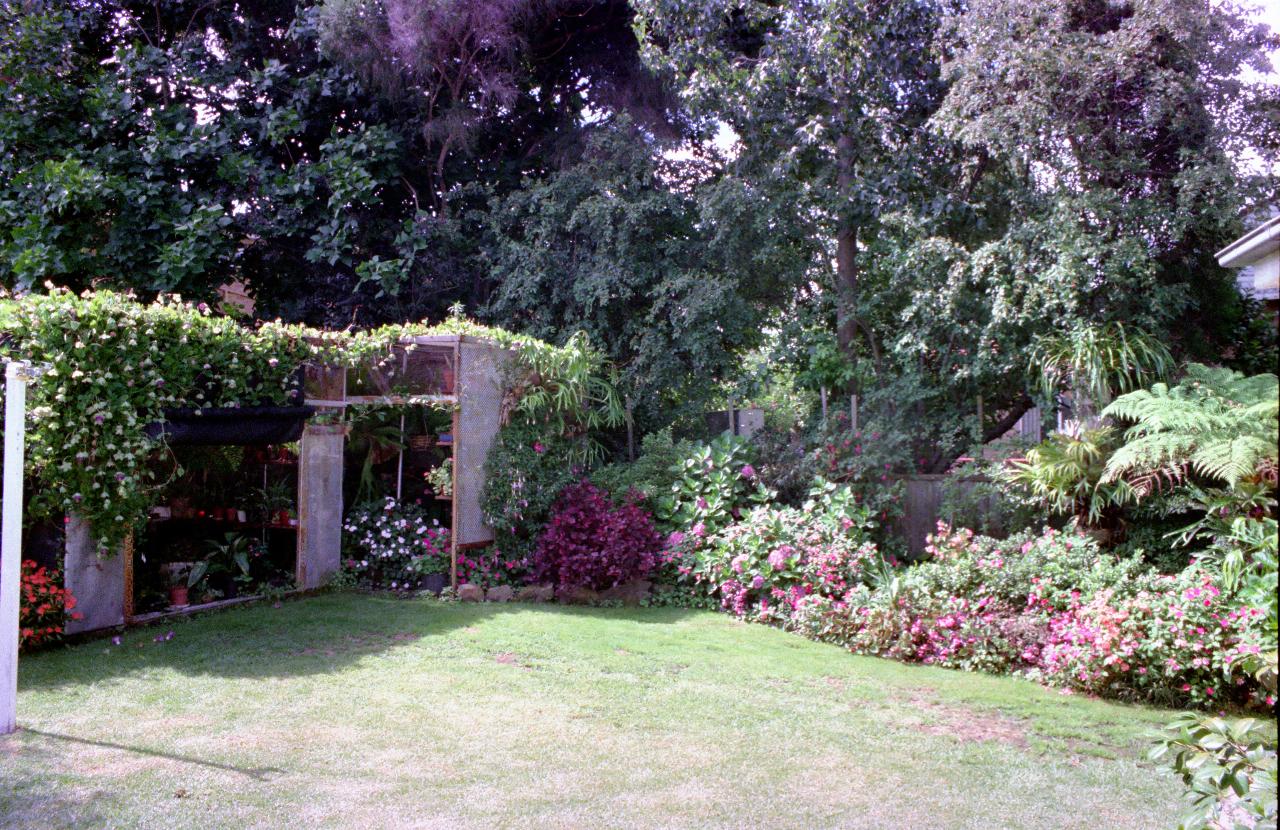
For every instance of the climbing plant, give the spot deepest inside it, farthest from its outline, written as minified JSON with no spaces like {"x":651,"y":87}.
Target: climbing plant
{"x":113,"y":365}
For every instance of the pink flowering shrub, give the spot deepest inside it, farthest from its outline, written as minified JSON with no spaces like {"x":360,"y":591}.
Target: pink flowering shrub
{"x":490,"y":566}
{"x":1172,"y":639}
{"x":770,"y":562}
{"x":1055,"y":608}
{"x":592,"y":543}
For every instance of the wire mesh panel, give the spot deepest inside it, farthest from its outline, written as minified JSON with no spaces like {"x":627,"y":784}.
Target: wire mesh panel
{"x":325,"y":383}
{"x":428,"y":370}
{"x":479,"y":389}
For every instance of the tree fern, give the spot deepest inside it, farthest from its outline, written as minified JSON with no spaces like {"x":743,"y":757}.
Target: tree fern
{"x":1215,"y":423}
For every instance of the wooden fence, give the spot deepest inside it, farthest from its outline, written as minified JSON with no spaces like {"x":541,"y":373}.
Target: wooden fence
{"x":922,"y":507}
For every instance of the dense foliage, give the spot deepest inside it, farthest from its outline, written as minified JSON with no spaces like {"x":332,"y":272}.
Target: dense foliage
{"x":653,"y":473}
{"x":592,"y":543}
{"x":527,"y":468}
{"x":113,"y":366}
{"x":392,"y":545}
{"x":714,"y":486}
{"x":1227,"y":766}
{"x":1215,"y":423}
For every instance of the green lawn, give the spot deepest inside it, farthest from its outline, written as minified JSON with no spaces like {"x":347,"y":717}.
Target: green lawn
{"x":370,"y":712}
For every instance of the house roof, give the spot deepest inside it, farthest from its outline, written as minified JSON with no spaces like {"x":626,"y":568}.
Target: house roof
{"x":1251,"y":247}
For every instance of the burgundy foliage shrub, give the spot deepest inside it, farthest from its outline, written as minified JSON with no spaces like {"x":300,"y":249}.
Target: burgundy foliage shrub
{"x":592,"y":543}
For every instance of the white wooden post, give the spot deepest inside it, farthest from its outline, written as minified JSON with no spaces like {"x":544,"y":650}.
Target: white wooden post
{"x":15,"y":415}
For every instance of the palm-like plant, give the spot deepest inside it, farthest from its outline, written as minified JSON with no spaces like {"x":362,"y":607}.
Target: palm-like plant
{"x":1095,"y":363}
{"x":1215,"y":423}
{"x":1065,"y":475}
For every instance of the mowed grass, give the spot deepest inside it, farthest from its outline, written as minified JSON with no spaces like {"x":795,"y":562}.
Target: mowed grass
{"x":368,"y":712}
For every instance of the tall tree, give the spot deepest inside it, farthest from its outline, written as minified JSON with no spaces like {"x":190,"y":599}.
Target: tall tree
{"x":671,"y":270}
{"x":830,"y":98}
{"x":1134,"y":119}
{"x":170,"y":145}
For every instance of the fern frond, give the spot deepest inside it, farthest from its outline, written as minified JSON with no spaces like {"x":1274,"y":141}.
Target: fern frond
{"x":1216,"y":422}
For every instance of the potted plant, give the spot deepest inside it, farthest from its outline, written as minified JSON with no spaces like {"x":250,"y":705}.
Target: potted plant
{"x":440,"y":479}
{"x":433,"y":563}
{"x":226,"y":567}
{"x":274,"y":502}
{"x":177,"y":574}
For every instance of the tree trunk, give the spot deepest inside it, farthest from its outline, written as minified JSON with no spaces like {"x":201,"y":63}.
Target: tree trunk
{"x":846,"y":258}
{"x":946,"y":456}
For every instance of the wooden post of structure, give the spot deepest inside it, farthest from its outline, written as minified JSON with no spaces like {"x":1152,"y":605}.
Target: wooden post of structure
{"x":853,"y":412}
{"x":823,"y":392}
{"x":15,"y":417}
{"x":631,"y":432}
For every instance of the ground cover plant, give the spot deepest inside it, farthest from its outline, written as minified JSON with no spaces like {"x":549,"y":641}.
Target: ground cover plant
{"x":354,"y":710}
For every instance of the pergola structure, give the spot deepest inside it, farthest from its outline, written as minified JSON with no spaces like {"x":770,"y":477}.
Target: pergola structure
{"x":465,"y":374}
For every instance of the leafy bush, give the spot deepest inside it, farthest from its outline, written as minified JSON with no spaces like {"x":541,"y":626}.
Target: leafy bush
{"x":592,"y":543}
{"x":867,"y":461}
{"x":653,"y":472}
{"x":527,"y":468}
{"x":769,"y":562}
{"x":383,"y":539}
{"x":44,"y":606}
{"x":1227,"y":766}
{"x":713,"y":487}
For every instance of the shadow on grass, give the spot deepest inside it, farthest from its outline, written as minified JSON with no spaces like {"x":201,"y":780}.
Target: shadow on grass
{"x":312,"y":635}
{"x":256,"y":773}
{"x":29,"y":796}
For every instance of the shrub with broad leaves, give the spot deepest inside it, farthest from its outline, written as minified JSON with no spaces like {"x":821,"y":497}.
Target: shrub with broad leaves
{"x":765,"y":565}
{"x":592,"y":543}
{"x":714,"y":487}
{"x":1228,"y":767}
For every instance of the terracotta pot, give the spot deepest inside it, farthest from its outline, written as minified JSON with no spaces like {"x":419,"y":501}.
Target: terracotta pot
{"x":446,"y":380}
{"x":178,"y":596}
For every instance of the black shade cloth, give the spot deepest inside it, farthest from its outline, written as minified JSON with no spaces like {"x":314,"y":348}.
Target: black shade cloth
{"x":242,"y":425}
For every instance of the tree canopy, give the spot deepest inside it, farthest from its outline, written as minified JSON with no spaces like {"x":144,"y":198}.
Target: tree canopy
{"x":913,"y":193}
